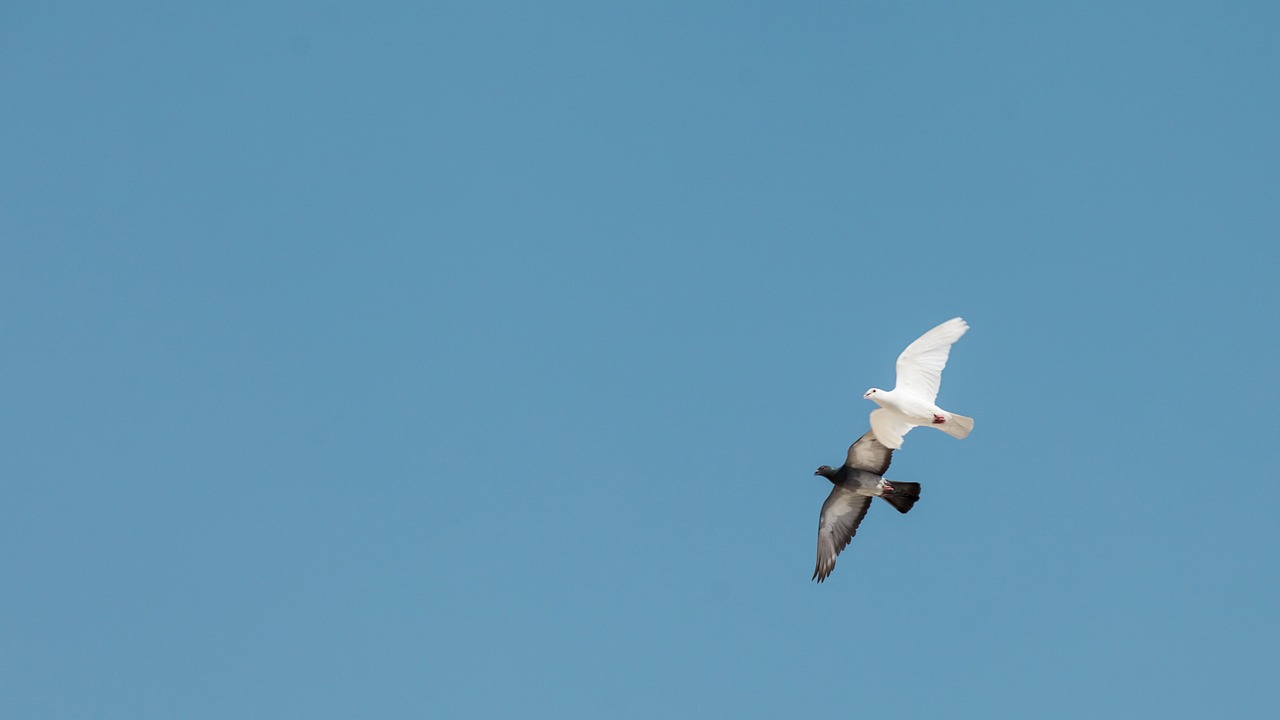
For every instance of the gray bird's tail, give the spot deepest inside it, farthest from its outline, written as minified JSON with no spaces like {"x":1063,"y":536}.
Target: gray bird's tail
{"x":904,"y":495}
{"x":957,"y":426}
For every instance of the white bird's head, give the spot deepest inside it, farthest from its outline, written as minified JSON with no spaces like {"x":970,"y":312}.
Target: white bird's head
{"x":878,"y":396}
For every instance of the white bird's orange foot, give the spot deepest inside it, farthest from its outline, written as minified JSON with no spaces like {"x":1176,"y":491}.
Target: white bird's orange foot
{"x":938,"y":419}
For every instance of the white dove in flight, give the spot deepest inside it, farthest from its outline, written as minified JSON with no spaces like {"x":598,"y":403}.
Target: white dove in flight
{"x":911,"y":401}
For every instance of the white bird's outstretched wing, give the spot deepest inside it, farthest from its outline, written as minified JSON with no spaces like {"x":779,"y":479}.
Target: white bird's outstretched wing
{"x":889,"y":426}
{"x":920,"y":365}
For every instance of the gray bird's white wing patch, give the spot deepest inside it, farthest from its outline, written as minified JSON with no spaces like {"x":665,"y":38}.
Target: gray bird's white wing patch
{"x":868,"y":453}
{"x":841,"y":514}
{"x":920,"y":365}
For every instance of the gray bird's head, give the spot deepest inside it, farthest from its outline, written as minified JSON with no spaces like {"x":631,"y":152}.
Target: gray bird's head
{"x":825,"y":471}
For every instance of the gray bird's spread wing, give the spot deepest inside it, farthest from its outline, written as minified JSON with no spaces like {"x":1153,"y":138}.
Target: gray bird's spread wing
{"x":868,"y":453}
{"x":841,"y":514}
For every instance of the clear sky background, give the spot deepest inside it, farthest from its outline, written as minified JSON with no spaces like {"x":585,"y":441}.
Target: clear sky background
{"x":472,"y":360}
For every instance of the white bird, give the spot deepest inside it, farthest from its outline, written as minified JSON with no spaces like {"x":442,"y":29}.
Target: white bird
{"x":912,"y":401}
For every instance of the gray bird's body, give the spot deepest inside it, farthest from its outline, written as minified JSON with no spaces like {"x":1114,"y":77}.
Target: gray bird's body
{"x":860,"y":479}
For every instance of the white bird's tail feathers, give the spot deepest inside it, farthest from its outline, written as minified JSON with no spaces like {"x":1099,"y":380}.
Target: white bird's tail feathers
{"x":957,"y":426}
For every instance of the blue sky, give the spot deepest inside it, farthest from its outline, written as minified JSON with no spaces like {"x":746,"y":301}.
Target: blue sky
{"x":473,"y":360}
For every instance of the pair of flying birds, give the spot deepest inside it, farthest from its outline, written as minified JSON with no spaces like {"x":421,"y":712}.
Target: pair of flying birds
{"x":909,"y":404}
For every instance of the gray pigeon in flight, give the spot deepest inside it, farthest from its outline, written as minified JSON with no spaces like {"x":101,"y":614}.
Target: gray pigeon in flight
{"x":856,"y":482}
